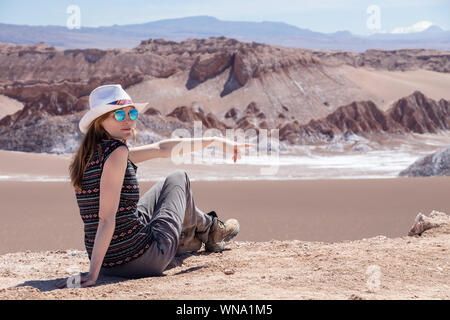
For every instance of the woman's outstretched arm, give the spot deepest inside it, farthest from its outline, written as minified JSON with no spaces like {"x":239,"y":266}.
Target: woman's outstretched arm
{"x":146,"y":152}
{"x":179,"y":146}
{"x":163,"y":148}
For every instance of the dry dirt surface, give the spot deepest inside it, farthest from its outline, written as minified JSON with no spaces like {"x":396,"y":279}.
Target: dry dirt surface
{"x":409,"y":267}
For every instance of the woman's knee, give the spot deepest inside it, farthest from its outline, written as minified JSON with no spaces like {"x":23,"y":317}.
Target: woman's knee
{"x":178,"y":177}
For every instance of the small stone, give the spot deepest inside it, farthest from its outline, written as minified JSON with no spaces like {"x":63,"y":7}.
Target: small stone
{"x":228,"y":271}
{"x":355,"y":297}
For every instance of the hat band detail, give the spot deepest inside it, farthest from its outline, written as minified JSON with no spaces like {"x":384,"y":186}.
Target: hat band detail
{"x":121,"y":102}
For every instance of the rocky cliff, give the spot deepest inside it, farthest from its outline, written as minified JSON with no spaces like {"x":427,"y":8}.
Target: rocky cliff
{"x":420,"y":114}
{"x":36,"y":130}
{"x":245,"y":85}
{"x":404,"y":59}
{"x":414,"y":113}
{"x":435,"y":164}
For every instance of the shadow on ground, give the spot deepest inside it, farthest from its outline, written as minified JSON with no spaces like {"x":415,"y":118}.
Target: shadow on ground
{"x":50,"y":285}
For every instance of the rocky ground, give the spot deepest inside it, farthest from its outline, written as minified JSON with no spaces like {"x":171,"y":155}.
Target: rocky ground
{"x":409,"y":267}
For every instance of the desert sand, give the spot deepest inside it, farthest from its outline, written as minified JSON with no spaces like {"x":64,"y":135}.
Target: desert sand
{"x":45,"y":216}
{"x":416,"y":267}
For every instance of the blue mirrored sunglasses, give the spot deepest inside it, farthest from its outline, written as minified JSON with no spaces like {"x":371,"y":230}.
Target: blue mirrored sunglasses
{"x":120,"y":114}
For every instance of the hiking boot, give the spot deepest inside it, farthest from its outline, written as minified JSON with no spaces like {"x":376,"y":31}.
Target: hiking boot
{"x":220,"y":232}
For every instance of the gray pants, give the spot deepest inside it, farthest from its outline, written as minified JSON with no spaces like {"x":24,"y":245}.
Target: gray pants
{"x":168,"y":206}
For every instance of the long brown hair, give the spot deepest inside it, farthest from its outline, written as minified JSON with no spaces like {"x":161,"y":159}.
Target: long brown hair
{"x":91,"y":141}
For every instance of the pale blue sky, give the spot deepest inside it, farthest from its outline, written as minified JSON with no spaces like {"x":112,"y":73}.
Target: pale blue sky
{"x":323,"y":16}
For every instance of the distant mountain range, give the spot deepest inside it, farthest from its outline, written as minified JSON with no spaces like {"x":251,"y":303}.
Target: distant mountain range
{"x":274,"y":33}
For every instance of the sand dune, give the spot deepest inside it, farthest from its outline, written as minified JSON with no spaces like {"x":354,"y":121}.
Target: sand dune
{"x":385,"y":87}
{"x":8,"y":106}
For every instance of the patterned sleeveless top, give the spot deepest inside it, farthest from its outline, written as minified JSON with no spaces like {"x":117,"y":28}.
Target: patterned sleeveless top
{"x":132,"y":236}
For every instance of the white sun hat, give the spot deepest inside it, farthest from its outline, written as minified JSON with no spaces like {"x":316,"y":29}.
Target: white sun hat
{"x":104,"y":99}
